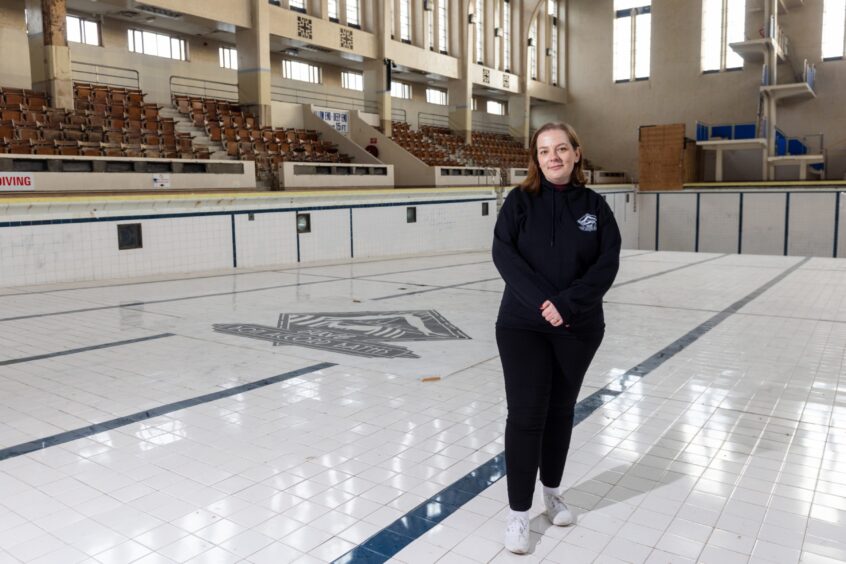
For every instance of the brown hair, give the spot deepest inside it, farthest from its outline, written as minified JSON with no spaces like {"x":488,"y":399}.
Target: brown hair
{"x":532,"y":182}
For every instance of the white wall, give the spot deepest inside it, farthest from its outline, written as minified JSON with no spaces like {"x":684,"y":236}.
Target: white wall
{"x":753,"y":221}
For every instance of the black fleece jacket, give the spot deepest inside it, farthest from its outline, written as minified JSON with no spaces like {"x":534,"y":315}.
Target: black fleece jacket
{"x":556,"y":245}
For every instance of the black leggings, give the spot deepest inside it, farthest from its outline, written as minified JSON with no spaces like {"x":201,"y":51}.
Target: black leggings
{"x":543,"y":373}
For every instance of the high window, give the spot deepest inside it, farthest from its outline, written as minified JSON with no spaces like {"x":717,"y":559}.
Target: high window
{"x":228,"y":58}
{"x":298,"y":5}
{"x":834,"y":23}
{"x":552,"y":11}
{"x":632,"y":39}
{"x":81,"y":30}
{"x":443,"y":25}
{"x":436,"y":96}
{"x":723,"y":23}
{"x":496,"y":108}
{"x":506,"y":35}
{"x":430,"y":29}
{"x":533,"y":49}
{"x":352,"y":80}
{"x":497,"y":31}
{"x":480,"y":31}
{"x":156,"y":44}
{"x":333,"y":10}
{"x":405,"y":20}
{"x":297,"y":70}
{"x":352,"y":13}
{"x":400,"y":90}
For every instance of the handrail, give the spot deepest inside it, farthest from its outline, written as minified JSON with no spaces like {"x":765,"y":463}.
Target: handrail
{"x":279,"y":93}
{"x":491,"y":127}
{"x":82,"y":71}
{"x":399,"y":114}
{"x":437,"y":120}
{"x":189,"y":86}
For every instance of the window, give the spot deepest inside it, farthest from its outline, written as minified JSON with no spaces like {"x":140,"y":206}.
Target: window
{"x":474,"y":105}
{"x":552,"y":11}
{"x":496,"y":108}
{"x":723,"y":23}
{"x":228,"y":58}
{"x":405,"y":20}
{"x":506,"y":35}
{"x":352,"y":80}
{"x":400,"y":90}
{"x":296,"y":70}
{"x":333,"y":10}
{"x":352,"y":13}
{"x":430,"y":29}
{"x":632,"y":39}
{"x":834,"y":22}
{"x":298,"y":5}
{"x":533,"y":50}
{"x":443,"y":25}
{"x":157,"y":44}
{"x":84,"y":31}
{"x":480,"y":31}
{"x":436,"y":96}
{"x":497,"y":32}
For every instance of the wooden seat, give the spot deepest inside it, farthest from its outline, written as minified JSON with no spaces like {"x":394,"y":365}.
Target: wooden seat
{"x":66,"y":147}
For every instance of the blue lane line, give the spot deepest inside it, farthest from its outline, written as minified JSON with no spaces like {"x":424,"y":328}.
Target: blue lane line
{"x":234,"y":247}
{"x":696,"y":243}
{"x":82,"y":432}
{"x":836,"y":223}
{"x":352,"y":247}
{"x":786,"y":220}
{"x":83,"y":349}
{"x":740,"y":226}
{"x":657,"y":218}
{"x":385,"y":544}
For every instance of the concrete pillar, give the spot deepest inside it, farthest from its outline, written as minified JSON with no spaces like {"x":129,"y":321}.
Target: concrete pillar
{"x":57,"y":62}
{"x":519,"y":111}
{"x":254,"y":71}
{"x":461,"y":89}
{"x":377,"y":90}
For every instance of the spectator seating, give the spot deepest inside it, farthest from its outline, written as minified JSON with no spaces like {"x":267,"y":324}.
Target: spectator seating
{"x":421,"y":146}
{"x":244,"y":138}
{"x":105,"y":121}
{"x":494,"y":150}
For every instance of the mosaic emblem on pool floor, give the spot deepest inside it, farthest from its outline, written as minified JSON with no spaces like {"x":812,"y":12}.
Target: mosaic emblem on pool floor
{"x":370,"y":334}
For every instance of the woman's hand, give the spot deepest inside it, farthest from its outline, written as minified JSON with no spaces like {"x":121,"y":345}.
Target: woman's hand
{"x":550,"y":313}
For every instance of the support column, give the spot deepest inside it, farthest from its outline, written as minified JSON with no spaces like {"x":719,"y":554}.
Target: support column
{"x":377,"y":72}
{"x":461,"y":89}
{"x":377,"y":90}
{"x":254,"y":71}
{"x":519,"y":110}
{"x":57,"y":61}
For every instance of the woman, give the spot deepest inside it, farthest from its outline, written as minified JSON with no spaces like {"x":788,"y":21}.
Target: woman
{"x":557,"y":247}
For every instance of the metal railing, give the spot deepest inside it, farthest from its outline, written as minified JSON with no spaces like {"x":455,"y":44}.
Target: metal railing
{"x":187,"y":86}
{"x":297,"y":96}
{"x":437,"y":120}
{"x":104,"y":74}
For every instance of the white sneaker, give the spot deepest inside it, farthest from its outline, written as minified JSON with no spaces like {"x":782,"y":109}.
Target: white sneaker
{"x":557,"y":511}
{"x":517,"y":534}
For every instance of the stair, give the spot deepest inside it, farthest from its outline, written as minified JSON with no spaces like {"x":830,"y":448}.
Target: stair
{"x":184,"y":124}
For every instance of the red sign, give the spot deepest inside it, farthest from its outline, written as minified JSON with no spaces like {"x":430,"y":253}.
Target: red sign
{"x":16,"y":181}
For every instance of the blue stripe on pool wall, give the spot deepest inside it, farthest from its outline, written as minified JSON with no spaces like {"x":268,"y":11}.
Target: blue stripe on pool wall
{"x":385,"y":544}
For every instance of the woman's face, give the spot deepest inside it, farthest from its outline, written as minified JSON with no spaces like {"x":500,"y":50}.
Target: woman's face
{"x":556,"y":156}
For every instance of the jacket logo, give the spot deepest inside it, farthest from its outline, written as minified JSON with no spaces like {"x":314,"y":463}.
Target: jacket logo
{"x":587,"y":222}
